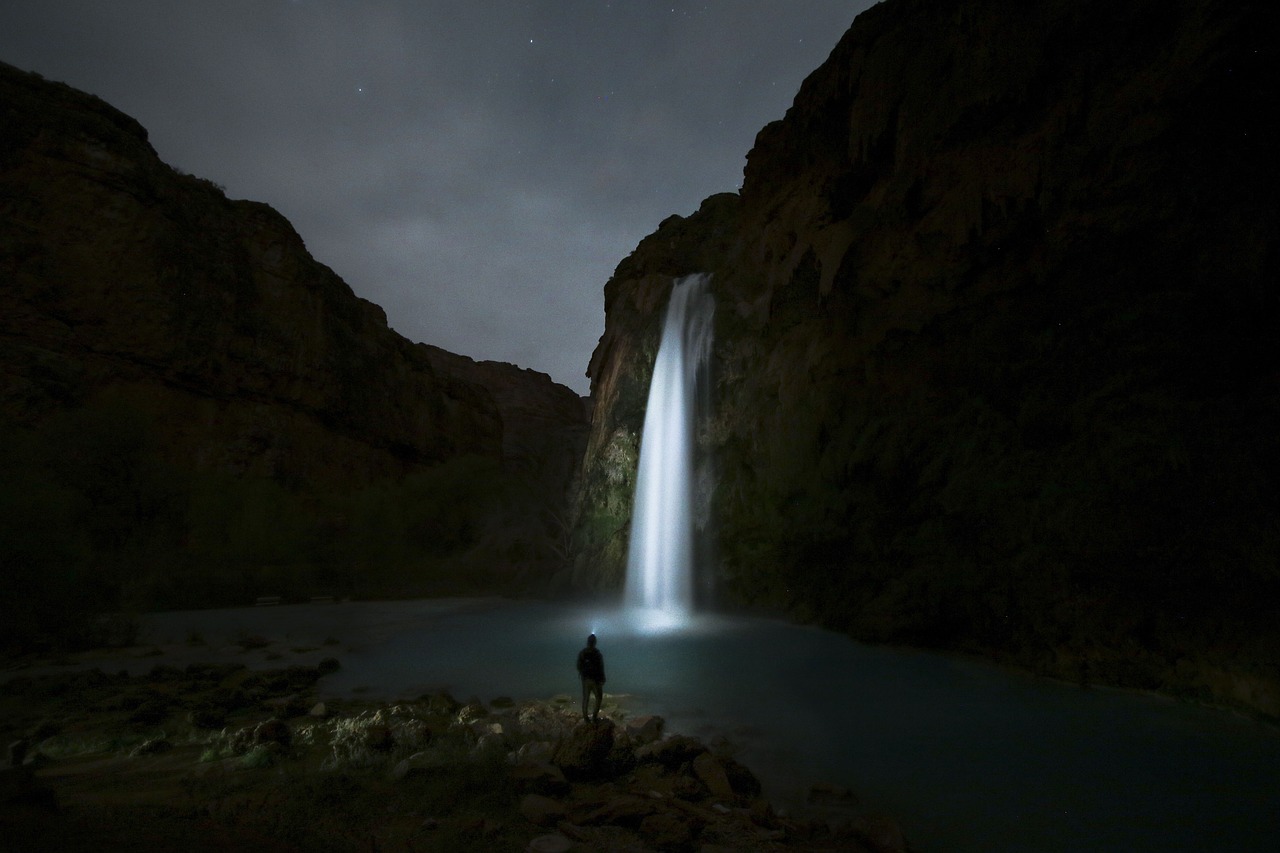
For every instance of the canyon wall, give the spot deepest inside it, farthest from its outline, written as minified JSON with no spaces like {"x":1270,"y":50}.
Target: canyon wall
{"x":996,"y":361}
{"x":182,"y":383}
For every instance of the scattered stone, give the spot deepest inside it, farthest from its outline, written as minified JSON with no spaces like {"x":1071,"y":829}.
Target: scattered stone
{"x":625,"y":810}
{"x":584,"y":755}
{"x":502,"y":702}
{"x":153,"y":746}
{"x":286,"y":706}
{"x":688,"y":788}
{"x":18,"y":786}
{"x":741,"y":779}
{"x":540,"y":779}
{"x":554,"y":843}
{"x":827,"y":794}
{"x":542,"y":810}
{"x":214,"y":672}
{"x":18,"y":751}
{"x":379,"y":737}
{"x":14,"y":780}
{"x":672,"y":752}
{"x":44,"y":730}
{"x":273,"y":731}
{"x":534,"y":752}
{"x":318,"y":710}
{"x":471,"y":712}
{"x":487,"y":745}
{"x":328,"y":665}
{"x":762,"y":814}
{"x":712,"y":774}
{"x":881,"y":834}
{"x":644,"y":729}
{"x":150,"y":713}
{"x":668,"y":831}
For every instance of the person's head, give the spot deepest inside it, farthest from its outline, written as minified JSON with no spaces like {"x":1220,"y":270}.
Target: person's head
{"x":591,"y":640}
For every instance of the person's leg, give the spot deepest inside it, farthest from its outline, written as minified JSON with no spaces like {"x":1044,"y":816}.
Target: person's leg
{"x":598,"y":689}
{"x":586,"y":692}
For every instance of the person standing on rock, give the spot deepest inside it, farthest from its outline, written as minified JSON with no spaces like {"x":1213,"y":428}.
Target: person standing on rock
{"x":591,"y":670}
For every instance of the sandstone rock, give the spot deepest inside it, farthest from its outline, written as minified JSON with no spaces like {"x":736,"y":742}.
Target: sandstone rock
{"x":135,"y":293}
{"x":923,"y":314}
{"x":318,"y":710}
{"x":541,"y":810}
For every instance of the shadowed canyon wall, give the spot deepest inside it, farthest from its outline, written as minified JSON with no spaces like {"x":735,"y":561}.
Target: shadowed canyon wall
{"x":996,"y":360}
{"x":196,"y":411}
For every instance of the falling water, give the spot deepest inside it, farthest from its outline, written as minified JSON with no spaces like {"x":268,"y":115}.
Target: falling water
{"x":669,"y":511}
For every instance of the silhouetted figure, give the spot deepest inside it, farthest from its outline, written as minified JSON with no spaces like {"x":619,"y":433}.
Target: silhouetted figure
{"x":591,"y":669}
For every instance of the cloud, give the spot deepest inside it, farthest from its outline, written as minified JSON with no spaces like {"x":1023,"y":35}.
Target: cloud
{"x":478,"y":169}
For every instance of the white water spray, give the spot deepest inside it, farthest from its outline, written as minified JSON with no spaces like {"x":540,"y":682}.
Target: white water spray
{"x":668,"y":509}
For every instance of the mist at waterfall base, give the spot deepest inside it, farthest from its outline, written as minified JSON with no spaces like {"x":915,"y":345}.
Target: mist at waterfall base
{"x":670,"y":510}
{"x":965,"y":755}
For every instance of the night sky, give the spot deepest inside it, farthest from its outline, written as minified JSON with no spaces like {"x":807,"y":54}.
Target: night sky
{"x":478,"y":169}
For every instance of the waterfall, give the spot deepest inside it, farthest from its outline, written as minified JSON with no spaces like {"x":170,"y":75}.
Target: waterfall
{"x":672,"y":494}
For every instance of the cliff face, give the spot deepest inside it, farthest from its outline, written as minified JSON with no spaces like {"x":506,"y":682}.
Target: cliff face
{"x":139,"y":301}
{"x":995,"y":345}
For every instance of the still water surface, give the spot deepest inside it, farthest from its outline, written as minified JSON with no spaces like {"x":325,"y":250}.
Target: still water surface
{"x":967,"y":756}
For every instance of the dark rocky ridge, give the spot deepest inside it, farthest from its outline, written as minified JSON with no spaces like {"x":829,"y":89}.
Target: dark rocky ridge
{"x":176,"y":334}
{"x":996,"y":361}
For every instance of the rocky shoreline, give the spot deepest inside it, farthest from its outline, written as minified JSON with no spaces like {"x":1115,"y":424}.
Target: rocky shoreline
{"x":217,"y":755}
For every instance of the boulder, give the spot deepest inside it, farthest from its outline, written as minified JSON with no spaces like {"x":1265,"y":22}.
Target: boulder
{"x":671,"y":752}
{"x":710,"y":772}
{"x":741,"y":779}
{"x":584,"y":754}
{"x":541,"y":810}
{"x":535,"y":751}
{"x":644,"y":729}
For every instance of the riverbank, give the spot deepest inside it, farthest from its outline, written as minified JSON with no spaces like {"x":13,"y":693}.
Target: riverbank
{"x":215,"y":756}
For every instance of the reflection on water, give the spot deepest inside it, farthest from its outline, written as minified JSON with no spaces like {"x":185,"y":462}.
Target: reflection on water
{"x":967,"y":756}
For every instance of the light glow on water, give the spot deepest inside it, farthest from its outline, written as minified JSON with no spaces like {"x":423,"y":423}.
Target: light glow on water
{"x":660,"y":564}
